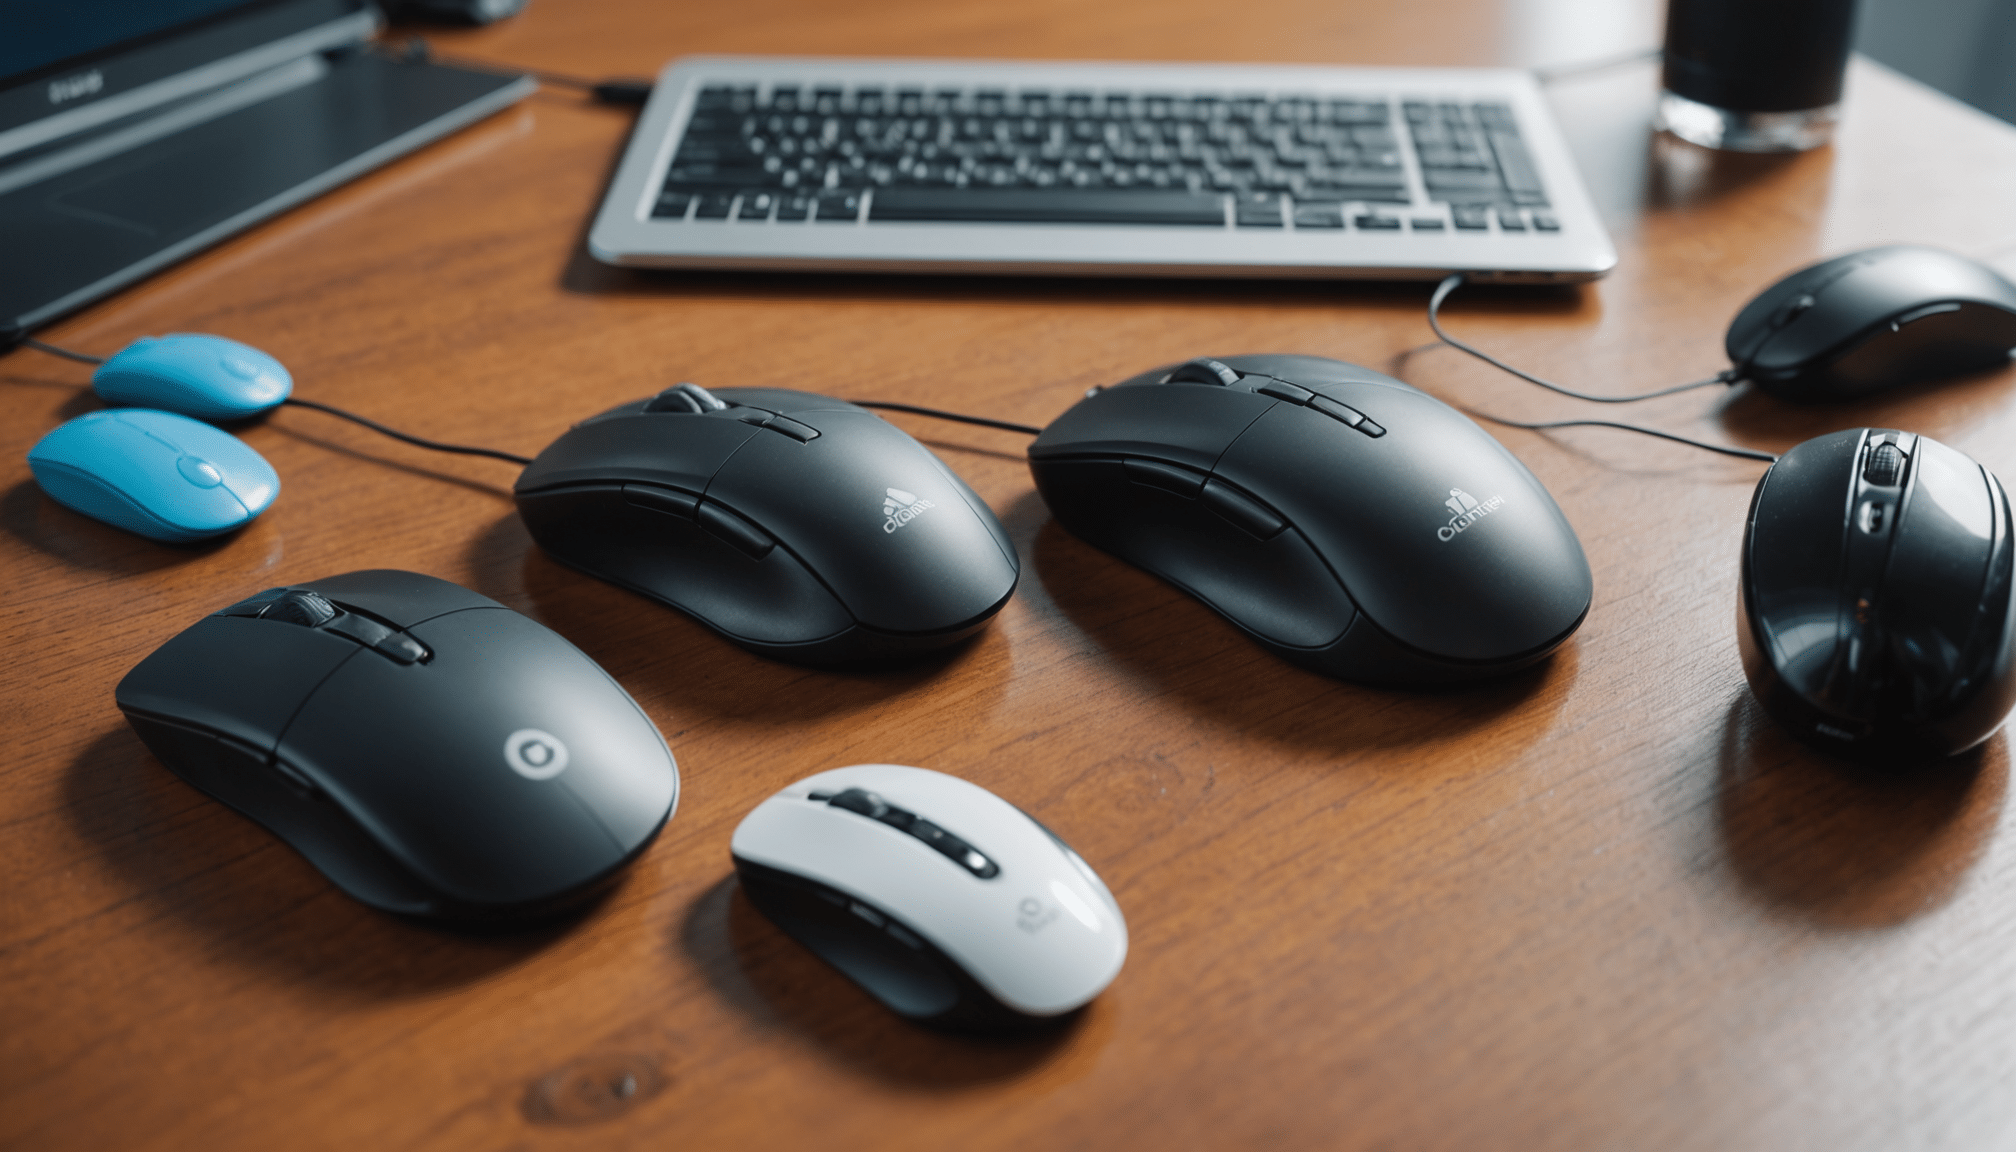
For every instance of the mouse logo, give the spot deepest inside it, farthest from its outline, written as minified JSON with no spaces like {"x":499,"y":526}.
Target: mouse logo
{"x":900,"y":507}
{"x":1032,"y":916}
{"x":1465,"y":510}
{"x":535,"y":755}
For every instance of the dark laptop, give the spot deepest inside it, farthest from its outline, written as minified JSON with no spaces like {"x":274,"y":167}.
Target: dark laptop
{"x":136,"y":132}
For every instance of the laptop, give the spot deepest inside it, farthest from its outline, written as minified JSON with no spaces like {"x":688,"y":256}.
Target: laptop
{"x":136,"y":132}
{"x":1100,"y":169}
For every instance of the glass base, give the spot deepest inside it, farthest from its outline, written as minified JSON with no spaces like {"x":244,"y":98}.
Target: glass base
{"x":1712,"y":127}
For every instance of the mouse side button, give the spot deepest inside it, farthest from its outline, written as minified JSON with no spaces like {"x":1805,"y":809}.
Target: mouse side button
{"x":309,"y":824}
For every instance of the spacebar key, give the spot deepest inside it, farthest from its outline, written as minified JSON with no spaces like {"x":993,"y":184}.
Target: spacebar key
{"x":1031,"y":206}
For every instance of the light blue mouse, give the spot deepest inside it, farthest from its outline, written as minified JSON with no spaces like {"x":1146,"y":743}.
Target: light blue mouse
{"x":207,"y":377}
{"x":163,"y":476}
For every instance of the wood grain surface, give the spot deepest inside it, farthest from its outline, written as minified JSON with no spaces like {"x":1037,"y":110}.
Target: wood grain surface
{"x":1601,"y":905}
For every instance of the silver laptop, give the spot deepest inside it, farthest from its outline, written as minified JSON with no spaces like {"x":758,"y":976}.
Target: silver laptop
{"x":1100,"y":169}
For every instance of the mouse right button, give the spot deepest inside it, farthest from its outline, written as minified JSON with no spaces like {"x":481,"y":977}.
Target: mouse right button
{"x":1442,"y":538}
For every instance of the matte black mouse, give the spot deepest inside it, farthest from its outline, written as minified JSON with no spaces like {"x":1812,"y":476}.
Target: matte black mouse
{"x":1347,"y":522}
{"x":1875,"y":609}
{"x":1872,"y":320}
{"x":798,"y":526}
{"x":431,"y":751}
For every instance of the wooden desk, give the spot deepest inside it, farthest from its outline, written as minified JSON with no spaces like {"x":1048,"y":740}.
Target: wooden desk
{"x":1604,"y":905}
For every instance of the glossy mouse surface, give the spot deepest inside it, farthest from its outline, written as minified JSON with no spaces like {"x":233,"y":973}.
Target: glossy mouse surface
{"x":207,"y":377}
{"x":431,"y":751}
{"x":1872,"y":320}
{"x":1875,"y":609}
{"x":796,"y":525}
{"x":1346,"y":521}
{"x":945,"y":902}
{"x":162,"y":476}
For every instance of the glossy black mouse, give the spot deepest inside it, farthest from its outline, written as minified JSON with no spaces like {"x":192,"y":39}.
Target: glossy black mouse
{"x":1875,"y":604}
{"x":798,"y":526}
{"x":431,"y":751}
{"x":1872,"y":320}
{"x":1346,"y":521}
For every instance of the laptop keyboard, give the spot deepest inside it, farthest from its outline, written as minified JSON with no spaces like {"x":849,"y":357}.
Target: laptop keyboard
{"x":981,"y":156}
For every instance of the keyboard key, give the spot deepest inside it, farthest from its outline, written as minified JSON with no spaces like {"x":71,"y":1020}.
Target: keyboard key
{"x":715,"y":206}
{"x":1509,"y":220}
{"x":839,"y":207}
{"x":1262,"y":212}
{"x":1375,"y":223}
{"x":671,"y":206}
{"x":1043,"y":206}
{"x":1545,"y":223}
{"x":1319,"y":215}
{"x":1426,"y":224}
{"x":1471,"y":217}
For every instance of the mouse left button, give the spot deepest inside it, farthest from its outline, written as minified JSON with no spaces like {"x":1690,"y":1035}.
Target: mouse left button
{"x":242,"y":678}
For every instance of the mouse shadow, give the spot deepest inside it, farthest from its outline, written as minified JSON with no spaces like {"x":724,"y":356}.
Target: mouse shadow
{"x":257,"y":901}
{"x":663,"y":656}
{"x":1753,"y":416}
{"x":1849,"y":845}
{"x":1683,"y":175}
{"x":778,"y":983}
{"x":1158,"y":634}
{"x":79,"y":541}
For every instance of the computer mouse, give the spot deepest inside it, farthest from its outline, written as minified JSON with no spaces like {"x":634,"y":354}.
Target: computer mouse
{"x":798,"y":526}
{"x":1875,"y":611}
{"x":1347,"y":522}
{"x":1872,"y":320}
{"x":945,"y":902}
{"x":207,"y":377}
{"x":156,"y":474}
{"x":432,"y":752}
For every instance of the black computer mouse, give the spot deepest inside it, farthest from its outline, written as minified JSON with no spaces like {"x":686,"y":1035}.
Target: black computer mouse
{"x":431,"y":751}
{"x":1872,"y":320}
{"x":1876,"y":612}
{"x":1347,"y":522}
{"x":798,"y":526}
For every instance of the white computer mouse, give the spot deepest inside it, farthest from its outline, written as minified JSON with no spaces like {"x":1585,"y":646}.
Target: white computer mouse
{"x":947,"y":903}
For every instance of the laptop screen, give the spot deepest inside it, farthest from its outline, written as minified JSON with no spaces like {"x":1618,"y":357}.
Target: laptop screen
{"x":41,"y":36}
{"x":69,"y":65}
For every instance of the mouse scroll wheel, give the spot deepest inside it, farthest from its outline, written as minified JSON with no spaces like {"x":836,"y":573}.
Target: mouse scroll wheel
{"x":1885,"y":466}
{"x":308,"y":609}
{"x":686,"y":400}
{"x":1793,"y":309}
{"x":1203,"y":370}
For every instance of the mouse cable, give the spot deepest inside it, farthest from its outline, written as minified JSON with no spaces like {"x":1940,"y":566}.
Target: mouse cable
{"x":1456,"y":280}
{"x":624,"y":90}
{"x":984,"y":422}
{"x":1724,"y":449}
{"x":418,"y":441}
{"x":65,"y":353}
